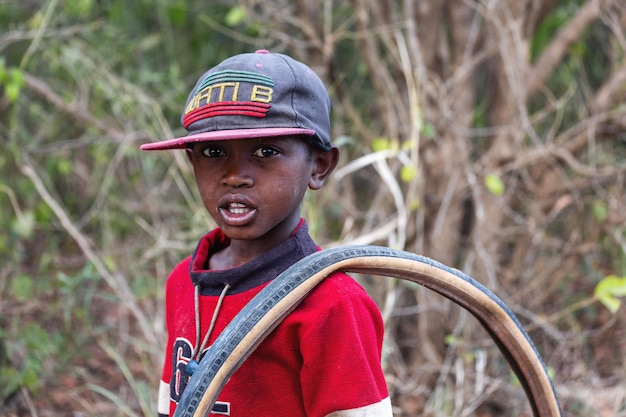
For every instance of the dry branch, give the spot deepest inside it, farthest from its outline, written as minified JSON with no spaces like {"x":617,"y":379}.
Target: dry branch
{"x":559,"y":46}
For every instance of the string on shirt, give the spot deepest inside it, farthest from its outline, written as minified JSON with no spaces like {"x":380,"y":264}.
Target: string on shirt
{"x":199,"y":348}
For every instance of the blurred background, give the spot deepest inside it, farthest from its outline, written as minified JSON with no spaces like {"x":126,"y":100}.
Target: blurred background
{"x":489,"y":135}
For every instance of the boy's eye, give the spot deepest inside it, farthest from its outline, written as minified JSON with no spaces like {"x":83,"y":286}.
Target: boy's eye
{"x":213,"y":151}
{"x":265,"y":152}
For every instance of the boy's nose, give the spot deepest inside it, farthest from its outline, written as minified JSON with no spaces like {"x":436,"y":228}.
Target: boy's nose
{"x":236,"y":175}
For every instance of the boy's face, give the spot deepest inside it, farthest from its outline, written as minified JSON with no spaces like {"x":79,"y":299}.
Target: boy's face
{"x":253,"y":187}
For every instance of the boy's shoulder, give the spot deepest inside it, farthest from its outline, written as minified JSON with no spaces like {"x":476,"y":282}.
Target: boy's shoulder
{"x":180,"y":273}
{"x":340,"y":288}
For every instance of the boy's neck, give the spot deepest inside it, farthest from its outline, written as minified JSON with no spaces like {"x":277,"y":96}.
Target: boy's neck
{"x":239,"y":252}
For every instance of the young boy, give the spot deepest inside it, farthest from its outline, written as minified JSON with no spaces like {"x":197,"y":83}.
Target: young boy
{"x":259,"y":137}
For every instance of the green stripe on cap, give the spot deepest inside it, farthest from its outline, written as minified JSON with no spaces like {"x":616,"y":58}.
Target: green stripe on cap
{"x":236,"y":76}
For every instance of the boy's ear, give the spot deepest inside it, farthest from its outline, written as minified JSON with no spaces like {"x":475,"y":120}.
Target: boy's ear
{"x":325,"y":163}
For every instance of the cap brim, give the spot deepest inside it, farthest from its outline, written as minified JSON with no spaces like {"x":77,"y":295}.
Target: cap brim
{"x":182,"y":143}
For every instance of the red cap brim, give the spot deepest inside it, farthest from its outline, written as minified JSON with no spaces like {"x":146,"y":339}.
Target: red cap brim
{"x":182,"y":143}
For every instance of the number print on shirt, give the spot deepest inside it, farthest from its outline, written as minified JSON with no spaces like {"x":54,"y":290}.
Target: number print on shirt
{"x":181,"y":356}
{"x":182,"y":352}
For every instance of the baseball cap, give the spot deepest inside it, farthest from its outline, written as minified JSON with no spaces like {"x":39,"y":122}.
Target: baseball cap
{"x":254,"y":95}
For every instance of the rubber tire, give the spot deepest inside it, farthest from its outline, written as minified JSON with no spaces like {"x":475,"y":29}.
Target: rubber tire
{"x":267,"y":309}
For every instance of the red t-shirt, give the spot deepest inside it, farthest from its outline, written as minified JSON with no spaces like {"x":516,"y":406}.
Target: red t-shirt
{"x":324,"y":357}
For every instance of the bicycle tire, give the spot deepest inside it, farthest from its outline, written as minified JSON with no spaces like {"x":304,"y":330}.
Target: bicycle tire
{"x":267,"y":309}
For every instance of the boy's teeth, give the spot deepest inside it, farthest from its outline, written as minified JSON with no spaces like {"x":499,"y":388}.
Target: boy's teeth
{"x":237,"y":208}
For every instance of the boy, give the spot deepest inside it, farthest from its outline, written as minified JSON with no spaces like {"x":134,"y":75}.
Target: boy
{"x":259,"y":137}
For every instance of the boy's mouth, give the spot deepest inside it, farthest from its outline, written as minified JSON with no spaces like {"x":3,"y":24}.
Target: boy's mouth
{"x":236,"y":214}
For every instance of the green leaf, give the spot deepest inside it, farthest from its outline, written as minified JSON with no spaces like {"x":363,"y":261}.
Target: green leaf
{"x":547,"y":29}
{"x":381,"y":144}
{"x":450,"y":340}
{"x":14,"y":83}
{"x":494,"y":184}
{"x":513,"y":379}
{"x":36,"y":20}
{"x":22,"y":287}
{"x":608,"y":290}
{"x":578,"y":49}
{"x":9,"y":381}
{"x":600,"y":210}
{"x":428,"y":130}
{"x":30,"y":378}
{"x":24,"y":225}
{"x":407,"y":145}
{"x":3,"y":71}
{"x":79,"y":8}
{"x":13,"y":92}
{"x":64,"y":166}
{"x":178,"y":13}
{"x":235,"y":16}
{"x":407,"y":173}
